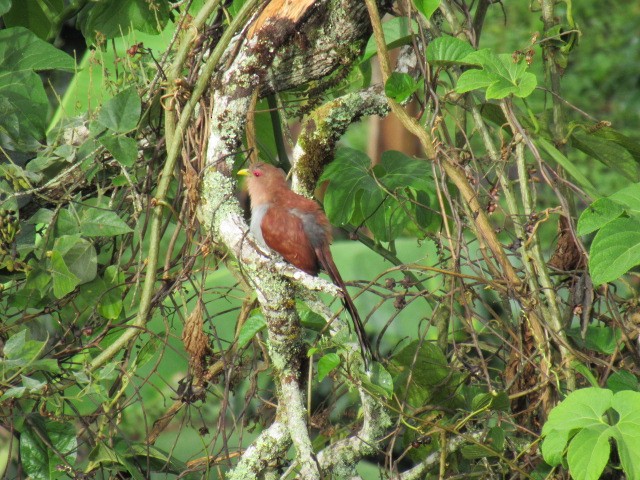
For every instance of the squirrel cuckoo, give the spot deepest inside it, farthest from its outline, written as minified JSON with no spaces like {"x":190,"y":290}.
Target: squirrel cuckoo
{"x":296,"y":228}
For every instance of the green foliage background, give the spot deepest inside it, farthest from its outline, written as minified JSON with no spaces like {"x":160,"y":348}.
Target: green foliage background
{"x":83,"y":136}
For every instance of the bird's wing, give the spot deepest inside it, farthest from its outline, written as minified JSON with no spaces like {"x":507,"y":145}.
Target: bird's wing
{"x":283,"y":231}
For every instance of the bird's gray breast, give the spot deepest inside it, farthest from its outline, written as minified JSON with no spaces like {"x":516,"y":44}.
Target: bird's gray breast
{"x":257,"y":214}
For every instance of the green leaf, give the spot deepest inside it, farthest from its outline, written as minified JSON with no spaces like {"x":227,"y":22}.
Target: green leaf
{"x":481,"y":401}
{"x":565,"y":163}
{"x":79,"y":255}
{"x":609,"y":152}
{"x":30,"y":14}
{"x":400,"y":86}
{"x":630,"y":144}
{"x":114,"y":19}
{"x":428,"y":365}
{"x":148,"y":351}
{"x":598,"y":214}
{"x":629,"y":197}
{"x":472,"y":452}
{"x":104,"y":456}
{"x":122,"y":112}
{"x":123,"y":149}
{"x":603,"y":339}
{"x":99,"y":222}
{"x":16,"y":346}
{"x":5,"y":5}
{"x":500,"y":75}
{"x":581,"y":409}
{"x":627,"y":404}
{"x":623,"y":380}
{"x":67,"y":223}
{"x":583,"y":370}
{"x":32,"y":384}
{"x":309,"y":318}
{"x":21,"y":51}
{"x":427,"y":7}
{"x":23,"y":106}
{"x":23,"y":101}
{"x":42,"y":216}
{"x":251,"y":327}
{"x":38,"y":460}
{"x":588,"y":452}
{"x":326,"y":364}
{"x":110,"y":304}
{"x":13,"y":392}
{"x":474,"y":80}
{"x":581,"y":420}
{"x":397,"y":32}
{"x":382,"y":198}
{"x":64,"y":281}
{"x":501,"y":402}
{"x":447,"y":50}
{"x":615,"y":250}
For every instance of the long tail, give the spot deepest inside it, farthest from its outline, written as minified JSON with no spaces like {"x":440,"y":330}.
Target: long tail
{"x":326,"y":260}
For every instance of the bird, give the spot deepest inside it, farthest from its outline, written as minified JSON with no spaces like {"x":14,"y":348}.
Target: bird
{"x":297,"y":228}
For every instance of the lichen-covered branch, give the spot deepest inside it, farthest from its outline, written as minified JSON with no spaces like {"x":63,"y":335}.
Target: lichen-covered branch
{"x":322,"y":129}
{"x":423,"y":467}
{"x":250,"y":62}
{"x":270,"y":446}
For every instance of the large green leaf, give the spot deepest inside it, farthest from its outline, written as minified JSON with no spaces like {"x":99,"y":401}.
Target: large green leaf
{"x":327,"y":364}
{"x":5,"y":5}
{"x":23,"y":107}
{"x":629,"y":197}
{"x":500,"y":76}
{"x":121,"y":114}
{"x":630,"y":144}
{"x":627,"y":404}
{"x":615,"y":250}
{"x":64,"y":281}
{"x":36,"y":15}
{"x":427,"y":7}
{"x":623,"y":380}
{"x":21,"y":50}
{"x":581,"y":409}
{"x":110,"y":305}
{"x":607,"y":151}
{"x":38,"y":460}
{"x":23,"y":101}
{"x":383,"y":198}
{"x":598,"y":214}
{"x":251,"y":327}
{"x":400,"y":86}
{"x":114,"y":19}
{"x":79,"y":255}
{"x":581,"y":419}
{"x":589,"y":451}
{"x":99,"y":222}
{"x":133,"y":457}
{"x":447,"y":50}
{"x":123,"y":149}
{"x":428,"y":369}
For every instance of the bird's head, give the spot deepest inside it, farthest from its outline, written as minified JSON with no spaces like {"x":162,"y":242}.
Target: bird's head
{"x":263,"y":180}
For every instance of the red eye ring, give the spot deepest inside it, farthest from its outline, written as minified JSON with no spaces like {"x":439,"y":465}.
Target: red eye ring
{"x":257,"y":173}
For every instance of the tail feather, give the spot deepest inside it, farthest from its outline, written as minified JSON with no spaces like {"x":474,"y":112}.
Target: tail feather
{"x":326,"y":261}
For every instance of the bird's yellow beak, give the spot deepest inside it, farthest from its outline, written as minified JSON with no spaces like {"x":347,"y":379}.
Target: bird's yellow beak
{"x":244,"y":172}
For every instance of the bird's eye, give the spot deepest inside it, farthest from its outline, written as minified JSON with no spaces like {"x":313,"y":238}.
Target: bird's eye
{"x":257,"y":173}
